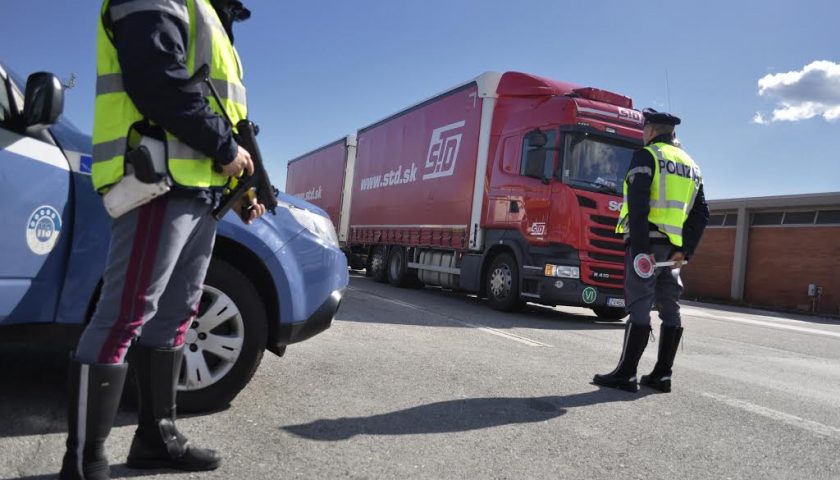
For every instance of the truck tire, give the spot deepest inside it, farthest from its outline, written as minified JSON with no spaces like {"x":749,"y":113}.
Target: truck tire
{"x":502,"y":283}
{"x":378,"y":264}
{"x":225,"y":343}
{"x":399,"y":275}
{"x":610,"y":314}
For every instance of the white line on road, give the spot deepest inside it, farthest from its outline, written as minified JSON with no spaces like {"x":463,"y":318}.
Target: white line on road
{"x":783,"y":417}
{"x":697,"y":313}
{"x":492,"y":331}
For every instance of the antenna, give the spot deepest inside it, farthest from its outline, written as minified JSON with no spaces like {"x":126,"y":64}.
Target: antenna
{"x":668,"y":89}
{"x":70,"y":82}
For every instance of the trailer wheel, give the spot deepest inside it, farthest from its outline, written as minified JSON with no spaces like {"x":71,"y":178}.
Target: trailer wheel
{"x":378,"y":264}
{"x":502,"y":283}
{"x":610,"y":314}
{"x":399,"y":275}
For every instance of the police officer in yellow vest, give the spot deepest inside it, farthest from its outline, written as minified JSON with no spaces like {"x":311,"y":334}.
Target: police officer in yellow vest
{"x":147,"y":54}
{"x":662,"y":218}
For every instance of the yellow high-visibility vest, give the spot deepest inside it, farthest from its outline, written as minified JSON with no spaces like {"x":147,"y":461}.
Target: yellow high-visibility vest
{"x":676,"y":181}
{"x":115,"y":113}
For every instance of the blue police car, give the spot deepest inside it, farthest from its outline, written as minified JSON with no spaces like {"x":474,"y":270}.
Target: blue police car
{"x":276,"y":282}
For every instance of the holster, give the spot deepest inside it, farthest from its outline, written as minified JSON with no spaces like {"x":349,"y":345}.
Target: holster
{"x":146,"y":177}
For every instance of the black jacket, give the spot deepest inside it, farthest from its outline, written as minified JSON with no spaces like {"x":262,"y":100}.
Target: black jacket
{"x":638,"y":206}
{"x":151,"y":48}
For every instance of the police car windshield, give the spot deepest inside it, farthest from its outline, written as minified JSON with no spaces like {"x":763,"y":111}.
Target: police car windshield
{"x":595,"y":163}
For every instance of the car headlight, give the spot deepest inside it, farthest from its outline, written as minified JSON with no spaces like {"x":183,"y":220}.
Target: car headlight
{"x":562,"y":271}
{"x":318,"y":225}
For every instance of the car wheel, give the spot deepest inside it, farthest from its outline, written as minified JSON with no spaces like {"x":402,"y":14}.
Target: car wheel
{"x":378,"y":264}
{"x":502,"y":283}
{"x":611,"y":314}
{"x":225,"y":343}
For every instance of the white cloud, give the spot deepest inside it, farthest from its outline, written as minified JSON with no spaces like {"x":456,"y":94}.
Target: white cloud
{"x":810,"y":92}
{"x":759,"y":119}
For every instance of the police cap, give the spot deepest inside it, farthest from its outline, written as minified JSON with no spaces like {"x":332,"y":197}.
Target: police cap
{"x":659,"y":118}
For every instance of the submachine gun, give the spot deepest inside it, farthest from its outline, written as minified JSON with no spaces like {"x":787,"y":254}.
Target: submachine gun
{"x":245,"y":134}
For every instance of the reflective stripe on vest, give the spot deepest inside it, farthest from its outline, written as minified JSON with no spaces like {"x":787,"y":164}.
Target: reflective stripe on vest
{"x":114,"y":112}
{"x":676,"y":181}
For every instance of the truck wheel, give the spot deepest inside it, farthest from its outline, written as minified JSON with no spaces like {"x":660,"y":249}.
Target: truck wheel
{"x":225,"y":343}
{"x":378,"y":264}
{"x":611,"y":314}
{"x":399,"y":274}
{"x":502,"y":283}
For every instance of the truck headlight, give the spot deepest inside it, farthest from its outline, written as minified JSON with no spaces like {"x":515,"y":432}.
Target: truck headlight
{"x":562,"y":271}
{"x":318,"y":225}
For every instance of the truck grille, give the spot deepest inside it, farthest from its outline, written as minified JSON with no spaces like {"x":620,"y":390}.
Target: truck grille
{"x":604,"y":244}
{"x":605,"y":251}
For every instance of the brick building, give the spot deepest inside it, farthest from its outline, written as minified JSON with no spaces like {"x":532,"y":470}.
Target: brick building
{"x":767,"y":251}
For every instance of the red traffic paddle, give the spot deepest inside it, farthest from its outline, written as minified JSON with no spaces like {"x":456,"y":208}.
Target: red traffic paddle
{"x":645,"y":268}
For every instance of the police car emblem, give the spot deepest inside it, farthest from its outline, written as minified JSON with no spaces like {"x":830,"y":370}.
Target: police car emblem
{"x":43,"y":229}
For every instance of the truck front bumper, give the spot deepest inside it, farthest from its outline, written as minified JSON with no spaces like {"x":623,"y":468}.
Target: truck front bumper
{"x":571,"y":291}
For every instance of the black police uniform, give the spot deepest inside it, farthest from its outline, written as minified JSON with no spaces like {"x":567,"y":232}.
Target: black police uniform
{"x":664,"y":287}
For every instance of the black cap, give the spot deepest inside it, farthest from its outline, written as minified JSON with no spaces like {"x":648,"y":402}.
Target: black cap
{"x":659,"y":118}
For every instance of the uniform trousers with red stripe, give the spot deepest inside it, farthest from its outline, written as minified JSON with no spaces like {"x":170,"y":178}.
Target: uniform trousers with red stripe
{"x":157,"y":260}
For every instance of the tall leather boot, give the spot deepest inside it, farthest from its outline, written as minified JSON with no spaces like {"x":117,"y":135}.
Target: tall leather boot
{"x":660,"y":377}
{"x":624,"y":375}
{"x":157,"y":442}
{"x":95,"y":391}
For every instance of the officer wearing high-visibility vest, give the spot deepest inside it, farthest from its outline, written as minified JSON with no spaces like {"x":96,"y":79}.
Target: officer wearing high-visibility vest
{"x":662,"y":218}
{"x":147,"y":53}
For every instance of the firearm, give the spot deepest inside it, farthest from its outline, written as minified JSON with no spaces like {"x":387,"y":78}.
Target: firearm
{"x":246,"y":136}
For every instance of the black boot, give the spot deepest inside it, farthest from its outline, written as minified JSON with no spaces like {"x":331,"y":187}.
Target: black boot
{"x":157,"y":442}
{"x":624,"y":375}
{"x":95,"y":392}
{"x":660,"y":377}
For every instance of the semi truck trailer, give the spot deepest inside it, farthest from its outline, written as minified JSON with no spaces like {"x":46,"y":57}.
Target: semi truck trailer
{"x":508,"y":186}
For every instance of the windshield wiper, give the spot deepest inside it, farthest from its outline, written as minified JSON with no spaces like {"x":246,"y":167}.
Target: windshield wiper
{"x":598,"y":186}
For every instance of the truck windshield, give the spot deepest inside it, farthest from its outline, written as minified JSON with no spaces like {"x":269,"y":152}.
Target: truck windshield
{"x":595,"y":163}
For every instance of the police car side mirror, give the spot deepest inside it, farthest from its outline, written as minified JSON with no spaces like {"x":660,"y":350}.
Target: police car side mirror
{"x":43,"y":101}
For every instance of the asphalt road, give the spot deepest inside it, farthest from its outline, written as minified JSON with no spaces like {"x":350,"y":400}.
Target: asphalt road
{"x":434,"y":384}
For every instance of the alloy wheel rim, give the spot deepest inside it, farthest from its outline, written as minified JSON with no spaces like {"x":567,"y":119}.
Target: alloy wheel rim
{"x":213,"y":343}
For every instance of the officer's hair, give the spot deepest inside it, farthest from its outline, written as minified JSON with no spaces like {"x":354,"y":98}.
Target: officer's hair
{"x":660,"y":129}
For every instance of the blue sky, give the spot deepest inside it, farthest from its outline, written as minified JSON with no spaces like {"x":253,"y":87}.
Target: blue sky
{"x":318,"y":70}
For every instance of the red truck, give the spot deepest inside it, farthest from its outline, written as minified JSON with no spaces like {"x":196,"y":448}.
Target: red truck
{"x":508,"y":186}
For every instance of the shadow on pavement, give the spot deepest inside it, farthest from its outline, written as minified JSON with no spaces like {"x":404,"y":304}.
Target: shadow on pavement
{"x":33,"y":392}
{"x":457,"y":415}
{"x":392,"y":311}
{"x":117,"y":471}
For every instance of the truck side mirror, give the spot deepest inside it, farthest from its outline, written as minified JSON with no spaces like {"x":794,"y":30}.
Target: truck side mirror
{"x":43,"y":101}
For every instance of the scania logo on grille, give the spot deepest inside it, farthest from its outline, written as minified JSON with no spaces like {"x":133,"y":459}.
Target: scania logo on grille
{"x":614,"y":206}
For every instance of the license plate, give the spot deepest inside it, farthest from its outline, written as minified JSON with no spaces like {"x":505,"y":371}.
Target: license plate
{"x":615,"y":302}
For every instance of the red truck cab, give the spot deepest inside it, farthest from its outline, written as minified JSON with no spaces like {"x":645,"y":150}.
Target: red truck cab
{"x":554,"y":188}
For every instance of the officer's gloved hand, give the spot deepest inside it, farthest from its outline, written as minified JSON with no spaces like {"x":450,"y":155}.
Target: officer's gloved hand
{"x":678,"y":258}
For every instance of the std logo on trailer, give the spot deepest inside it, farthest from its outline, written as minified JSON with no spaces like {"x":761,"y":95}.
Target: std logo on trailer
{"x":43,"y":229}
{"x":443,"y":151}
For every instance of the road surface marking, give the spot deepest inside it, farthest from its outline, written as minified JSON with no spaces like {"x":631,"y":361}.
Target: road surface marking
{"x":783,"y":417}
{"x":781,"y":326}
{"x":492,"y":331}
